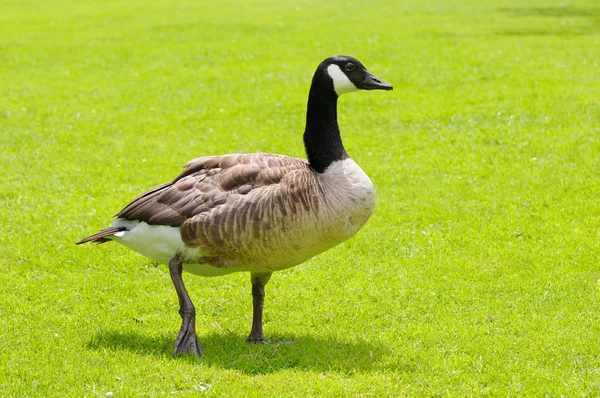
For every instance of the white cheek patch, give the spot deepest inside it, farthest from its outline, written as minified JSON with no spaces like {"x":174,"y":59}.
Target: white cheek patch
{"x":341,"y":83}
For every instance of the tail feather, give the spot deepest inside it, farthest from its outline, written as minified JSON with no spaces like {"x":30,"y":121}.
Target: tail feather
{"x":101,"y":237}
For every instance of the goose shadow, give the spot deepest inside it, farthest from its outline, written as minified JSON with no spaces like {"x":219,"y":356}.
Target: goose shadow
{"x":231,"y":351}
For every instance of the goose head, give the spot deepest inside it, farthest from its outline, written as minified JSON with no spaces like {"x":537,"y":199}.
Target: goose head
{"x":346,"y":74}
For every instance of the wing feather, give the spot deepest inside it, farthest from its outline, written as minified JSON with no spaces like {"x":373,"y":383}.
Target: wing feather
{"x":217,"y":196}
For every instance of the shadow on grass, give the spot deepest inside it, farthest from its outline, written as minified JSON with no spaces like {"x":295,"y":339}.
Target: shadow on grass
{"x":557,"y":12}
{"x":544,"y":32}
{"x":230,"y":351}
{"x":554,"y":29}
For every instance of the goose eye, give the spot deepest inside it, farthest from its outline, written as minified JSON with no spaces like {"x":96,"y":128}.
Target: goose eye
{"x":349,"y":66}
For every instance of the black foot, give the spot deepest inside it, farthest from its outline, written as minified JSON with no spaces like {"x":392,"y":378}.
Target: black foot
{"x":256,"y":340}
{"x":187,"y":341}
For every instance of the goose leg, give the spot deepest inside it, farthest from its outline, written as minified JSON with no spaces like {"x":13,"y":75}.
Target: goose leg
{"x":187,"y":341}
{"x":258,"y":297}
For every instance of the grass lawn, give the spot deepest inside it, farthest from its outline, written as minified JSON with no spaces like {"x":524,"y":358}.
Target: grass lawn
{"x":478,"y":274}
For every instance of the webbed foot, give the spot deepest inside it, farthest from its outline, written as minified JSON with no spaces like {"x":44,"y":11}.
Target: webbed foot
{"x":187,"y":340}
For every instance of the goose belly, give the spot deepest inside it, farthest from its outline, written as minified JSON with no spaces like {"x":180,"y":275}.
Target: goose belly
{"x":287,"y":249}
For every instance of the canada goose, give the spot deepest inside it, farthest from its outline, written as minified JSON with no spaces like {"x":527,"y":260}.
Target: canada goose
{"x":255,"y":212}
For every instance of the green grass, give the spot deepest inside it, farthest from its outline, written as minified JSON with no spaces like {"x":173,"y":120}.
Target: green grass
{"x":477,"y":275}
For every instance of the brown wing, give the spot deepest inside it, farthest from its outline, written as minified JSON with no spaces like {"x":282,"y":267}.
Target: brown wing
{"x":208,"y":183}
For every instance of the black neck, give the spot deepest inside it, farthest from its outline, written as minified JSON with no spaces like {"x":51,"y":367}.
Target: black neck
{"x":322,"y":139}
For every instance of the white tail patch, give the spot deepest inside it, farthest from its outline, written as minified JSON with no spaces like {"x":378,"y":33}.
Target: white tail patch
{"x":161,"y":243}
{"x":341,"y":83}
{"x":158,"y":242}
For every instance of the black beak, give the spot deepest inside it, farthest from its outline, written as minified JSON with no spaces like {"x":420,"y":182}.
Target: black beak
{"x":373,"y":83}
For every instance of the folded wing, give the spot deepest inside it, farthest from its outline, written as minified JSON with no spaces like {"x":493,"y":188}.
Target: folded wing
{"x":218,"y":198}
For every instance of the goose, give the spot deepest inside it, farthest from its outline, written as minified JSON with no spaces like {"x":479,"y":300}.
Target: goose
{"x":257,"y":212}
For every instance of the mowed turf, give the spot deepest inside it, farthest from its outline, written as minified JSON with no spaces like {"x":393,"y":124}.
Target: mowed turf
{"x":478,"y":273}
